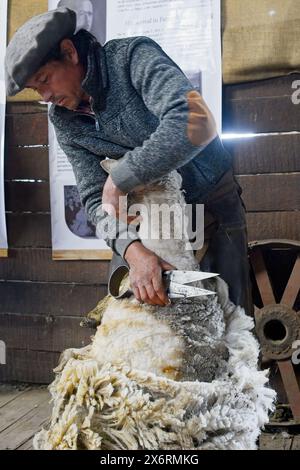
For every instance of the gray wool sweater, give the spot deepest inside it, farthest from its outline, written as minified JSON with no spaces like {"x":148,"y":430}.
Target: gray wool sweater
{"x":145,"y":110}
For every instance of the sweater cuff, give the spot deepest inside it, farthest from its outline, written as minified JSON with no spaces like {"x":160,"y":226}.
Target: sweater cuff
{"x":117,"y":234}
{"x":124,"y":178}
{"x":122,"y":245}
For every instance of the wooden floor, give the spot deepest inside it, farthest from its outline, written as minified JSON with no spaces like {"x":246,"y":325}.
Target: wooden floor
{"x":22,"y":414}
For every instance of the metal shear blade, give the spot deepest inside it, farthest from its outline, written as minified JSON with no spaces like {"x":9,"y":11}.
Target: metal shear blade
{"x":176,"y":280}
{"x":178,"y":291}
{"x":186,"y":277}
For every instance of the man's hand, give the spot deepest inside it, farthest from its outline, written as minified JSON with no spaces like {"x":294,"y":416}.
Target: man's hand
{"x":146,"y":274}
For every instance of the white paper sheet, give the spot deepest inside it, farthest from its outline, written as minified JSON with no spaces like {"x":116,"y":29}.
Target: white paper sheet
{"x":71,"y":232}
{"x":3,"y":32}
{"x":189,"y":31}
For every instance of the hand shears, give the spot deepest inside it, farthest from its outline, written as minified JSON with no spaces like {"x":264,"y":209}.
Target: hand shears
{"x":175,"y":282}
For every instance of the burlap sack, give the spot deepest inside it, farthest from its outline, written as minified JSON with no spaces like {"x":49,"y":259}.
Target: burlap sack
{"x":20,"y":11}
{"x":260,"y":39}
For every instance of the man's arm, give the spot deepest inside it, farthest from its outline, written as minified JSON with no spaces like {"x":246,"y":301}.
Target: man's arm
{"x":186,"y":124}
{"x":145,"y":267}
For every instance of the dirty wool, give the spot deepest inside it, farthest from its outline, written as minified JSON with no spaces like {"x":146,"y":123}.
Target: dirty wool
{"x":181,"y":377}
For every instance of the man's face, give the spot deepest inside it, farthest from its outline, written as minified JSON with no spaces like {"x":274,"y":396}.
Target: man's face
{"x":87,"y":11}
{"x":59,"y":82}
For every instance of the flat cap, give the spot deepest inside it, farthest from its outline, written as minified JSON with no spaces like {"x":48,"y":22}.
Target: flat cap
{"x":32,"y":43}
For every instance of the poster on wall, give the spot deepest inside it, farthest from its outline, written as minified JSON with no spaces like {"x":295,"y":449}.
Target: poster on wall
{"x":190,"y":33}
{"x":73,"y":236}
{"x":3,"y":30}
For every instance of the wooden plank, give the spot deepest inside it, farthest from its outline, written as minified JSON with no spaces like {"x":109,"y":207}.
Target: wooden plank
{"x":262,"y":277}
{"x":269,"y":225}
{"x":37,"y":298}
{"x":29,"y":366}
{"x":28,"y":445}
{"x":43,"y":332}
{"x":291,"y":385}
{"x":9,"y":393}
{"x":103,"y":255}
{"x":27,"y":129}
{"x":262,"y":106}
{"x":16,"y":436}
{"x":279,"y":87}
{"x":31,"y":107}
{"x":27,"y":197}
{"x":261,"y":115}
{"x":275,"y":441}
{"x":34,"y":230}
{"x":265,"y":154}
{"x":279,"y":192}
{"x":296,"y":443}
{"x":292,"y":288}
{"x":261,"y":193}
{"x":29,"y":230}
{"x":27,"y":163}
{"x":36,"y":265}
{"x":27,"y":426}
{"x":16,"y":410}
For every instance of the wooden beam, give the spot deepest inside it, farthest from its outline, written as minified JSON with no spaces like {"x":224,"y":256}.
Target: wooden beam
{"x":43,"y":332}
{"x":265,"y":154}
{"x":269,"y":193}
{"x":37,"y":298}
{"x":29,"y":366}
{"x":261,"y":106}
{"x":37,"y":265}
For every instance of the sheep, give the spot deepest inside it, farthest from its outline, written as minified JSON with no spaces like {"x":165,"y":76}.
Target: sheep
{"x":184,"y":376}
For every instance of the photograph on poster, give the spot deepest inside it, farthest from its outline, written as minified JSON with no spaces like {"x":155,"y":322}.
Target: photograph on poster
{"x":91,"y":15}
{"x":75,"y":215}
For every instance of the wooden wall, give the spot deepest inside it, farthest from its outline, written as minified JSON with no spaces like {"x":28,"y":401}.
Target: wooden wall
{"x":268,"y":166}
{"x":42,"y":301}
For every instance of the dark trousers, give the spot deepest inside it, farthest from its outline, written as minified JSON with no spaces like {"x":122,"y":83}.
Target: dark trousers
{"x":227,"y":240}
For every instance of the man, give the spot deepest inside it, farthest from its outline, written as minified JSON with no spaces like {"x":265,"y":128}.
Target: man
{"x":129,"y":99}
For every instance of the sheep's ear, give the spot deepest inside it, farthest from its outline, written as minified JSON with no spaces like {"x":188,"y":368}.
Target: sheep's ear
{"x":108,"y":164}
